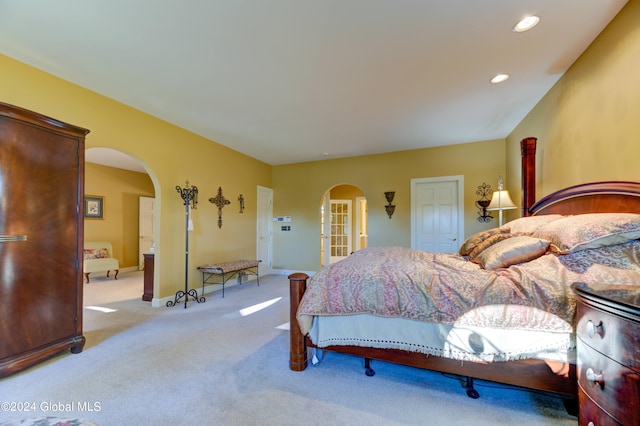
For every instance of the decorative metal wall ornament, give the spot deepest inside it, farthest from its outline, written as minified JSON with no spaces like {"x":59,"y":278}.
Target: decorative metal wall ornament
{"x":485,"y":192}
{"x":241,"y":201}
{"x":220,"y":202}
{"x":389,"y":208}
{"x":190,"y":197}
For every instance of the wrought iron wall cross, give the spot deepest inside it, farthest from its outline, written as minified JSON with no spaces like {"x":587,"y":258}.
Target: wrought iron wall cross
{"x":220,"y":202}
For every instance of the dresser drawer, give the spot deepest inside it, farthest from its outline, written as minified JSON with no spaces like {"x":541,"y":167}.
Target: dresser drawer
{"x":591,"y":414}
{"x":609,"y":334}
{"x":610,"y":385}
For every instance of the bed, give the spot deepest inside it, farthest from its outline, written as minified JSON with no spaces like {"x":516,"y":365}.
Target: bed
{"x":465,"y":337}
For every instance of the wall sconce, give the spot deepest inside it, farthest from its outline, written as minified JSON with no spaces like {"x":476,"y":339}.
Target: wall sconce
{"x":389,"y":208}
{"x":241,"y":201}
{"x":484,"y":191}
{"x":501,"y":201}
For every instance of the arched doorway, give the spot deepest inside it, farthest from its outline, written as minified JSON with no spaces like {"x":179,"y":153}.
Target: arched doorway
{"x":125,"y":182}
{"x":343,"y":223}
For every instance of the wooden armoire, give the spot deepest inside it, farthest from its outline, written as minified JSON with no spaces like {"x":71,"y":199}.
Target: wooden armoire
{"x":41,"y":237}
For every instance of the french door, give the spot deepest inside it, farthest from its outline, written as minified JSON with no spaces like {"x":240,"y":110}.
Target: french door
{"x":340,"y":239}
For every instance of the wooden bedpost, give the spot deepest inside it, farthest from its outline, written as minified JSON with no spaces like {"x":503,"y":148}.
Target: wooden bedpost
{"x":298,"y":350}
{"x":528,"y":150}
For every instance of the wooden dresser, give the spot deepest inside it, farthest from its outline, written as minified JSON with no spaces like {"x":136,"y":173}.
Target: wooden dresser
{"x":608,"y":331}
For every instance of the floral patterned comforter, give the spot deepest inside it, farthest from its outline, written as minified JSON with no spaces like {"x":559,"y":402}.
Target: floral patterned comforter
{"x":438,"y":287}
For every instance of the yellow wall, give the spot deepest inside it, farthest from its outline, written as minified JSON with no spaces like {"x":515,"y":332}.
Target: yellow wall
{"x":121,"y":190}
{"x":299,"y":188}
{"x":588,"y":124}
{"x":171,"y":155}
{"x":587,"y":127}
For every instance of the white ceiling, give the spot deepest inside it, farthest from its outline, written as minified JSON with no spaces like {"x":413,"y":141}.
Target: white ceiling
{"x":287,"y":81}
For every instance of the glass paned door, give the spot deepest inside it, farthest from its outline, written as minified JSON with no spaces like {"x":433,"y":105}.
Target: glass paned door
{"x":340,"y":239}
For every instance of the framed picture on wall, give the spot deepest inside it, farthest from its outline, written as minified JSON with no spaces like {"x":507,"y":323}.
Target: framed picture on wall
{"x":93,"y":207}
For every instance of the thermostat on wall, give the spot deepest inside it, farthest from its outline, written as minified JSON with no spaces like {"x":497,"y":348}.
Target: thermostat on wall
{"x":282,"y":219}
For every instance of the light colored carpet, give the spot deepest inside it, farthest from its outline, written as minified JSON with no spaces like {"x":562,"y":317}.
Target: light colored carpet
{"x":209,"y":364}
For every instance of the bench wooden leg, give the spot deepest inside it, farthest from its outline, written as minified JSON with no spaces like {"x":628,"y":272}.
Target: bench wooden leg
{"x":86,"y":274}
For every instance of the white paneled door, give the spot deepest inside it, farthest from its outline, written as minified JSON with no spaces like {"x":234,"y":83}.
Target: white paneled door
{"x":264,"y":232}
{"x":437,"y":214}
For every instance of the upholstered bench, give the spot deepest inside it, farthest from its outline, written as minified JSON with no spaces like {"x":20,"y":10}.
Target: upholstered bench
{"x":98,"y":257}
{"x":220,"y":273}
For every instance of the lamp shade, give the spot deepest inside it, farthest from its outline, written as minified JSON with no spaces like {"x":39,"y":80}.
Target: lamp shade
{"x":501,"y":201}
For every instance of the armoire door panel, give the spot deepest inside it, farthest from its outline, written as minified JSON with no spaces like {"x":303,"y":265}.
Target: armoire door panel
{"x":41,"y":191}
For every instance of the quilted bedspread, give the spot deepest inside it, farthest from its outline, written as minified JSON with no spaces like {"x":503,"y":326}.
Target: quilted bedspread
{"x":438,"y":287}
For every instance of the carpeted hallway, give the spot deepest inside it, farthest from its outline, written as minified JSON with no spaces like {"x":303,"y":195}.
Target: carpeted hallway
{"x":215,"y":363}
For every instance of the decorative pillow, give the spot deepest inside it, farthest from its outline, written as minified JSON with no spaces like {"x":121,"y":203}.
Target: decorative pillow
{"x":470,"y":243}
{"x":530,"y":224}
{"x":592,"y":230}
{"x":511,"y":251}
{"x":101,"y":253}
{"x":486,"y":243}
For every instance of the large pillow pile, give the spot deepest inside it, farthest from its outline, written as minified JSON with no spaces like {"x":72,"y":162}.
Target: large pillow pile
{"x":528,"y":238}
{"x":530,"y":224}
{"x":472,"y":242}
{"x":507,"y":245}
{"x":511,"y":251}
{"x":592,"y":230}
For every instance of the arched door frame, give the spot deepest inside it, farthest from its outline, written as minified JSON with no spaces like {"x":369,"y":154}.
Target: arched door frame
{"x":325,"y":230}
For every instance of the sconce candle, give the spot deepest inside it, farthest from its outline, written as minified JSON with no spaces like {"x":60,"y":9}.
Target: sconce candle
{"x":389,"y":208}
{"x":389,"y":196}
{"x":241,"y":201}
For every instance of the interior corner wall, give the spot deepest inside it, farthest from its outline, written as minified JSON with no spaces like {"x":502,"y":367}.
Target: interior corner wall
{"x":171,"y":155}
{"x":588,"y":124}
{"x":121,"y":190}
{"x":299,"y":188}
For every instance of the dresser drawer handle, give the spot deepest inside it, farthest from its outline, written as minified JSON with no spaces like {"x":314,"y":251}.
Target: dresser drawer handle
{"x":594,"y":377}
{"x":592,"y":329}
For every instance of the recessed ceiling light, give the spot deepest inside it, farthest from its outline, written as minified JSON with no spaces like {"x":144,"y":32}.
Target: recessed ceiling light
{"x":500,"y":78}
{"x":526,"y":24}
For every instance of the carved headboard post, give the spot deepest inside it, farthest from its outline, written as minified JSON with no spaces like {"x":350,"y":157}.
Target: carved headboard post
{"x":528,"y":150}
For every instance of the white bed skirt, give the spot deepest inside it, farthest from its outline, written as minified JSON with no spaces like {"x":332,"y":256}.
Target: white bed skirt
{"x":461,"y":341}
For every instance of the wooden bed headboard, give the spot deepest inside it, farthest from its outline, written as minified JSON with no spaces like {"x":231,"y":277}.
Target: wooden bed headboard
{"x":595,"y":197}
